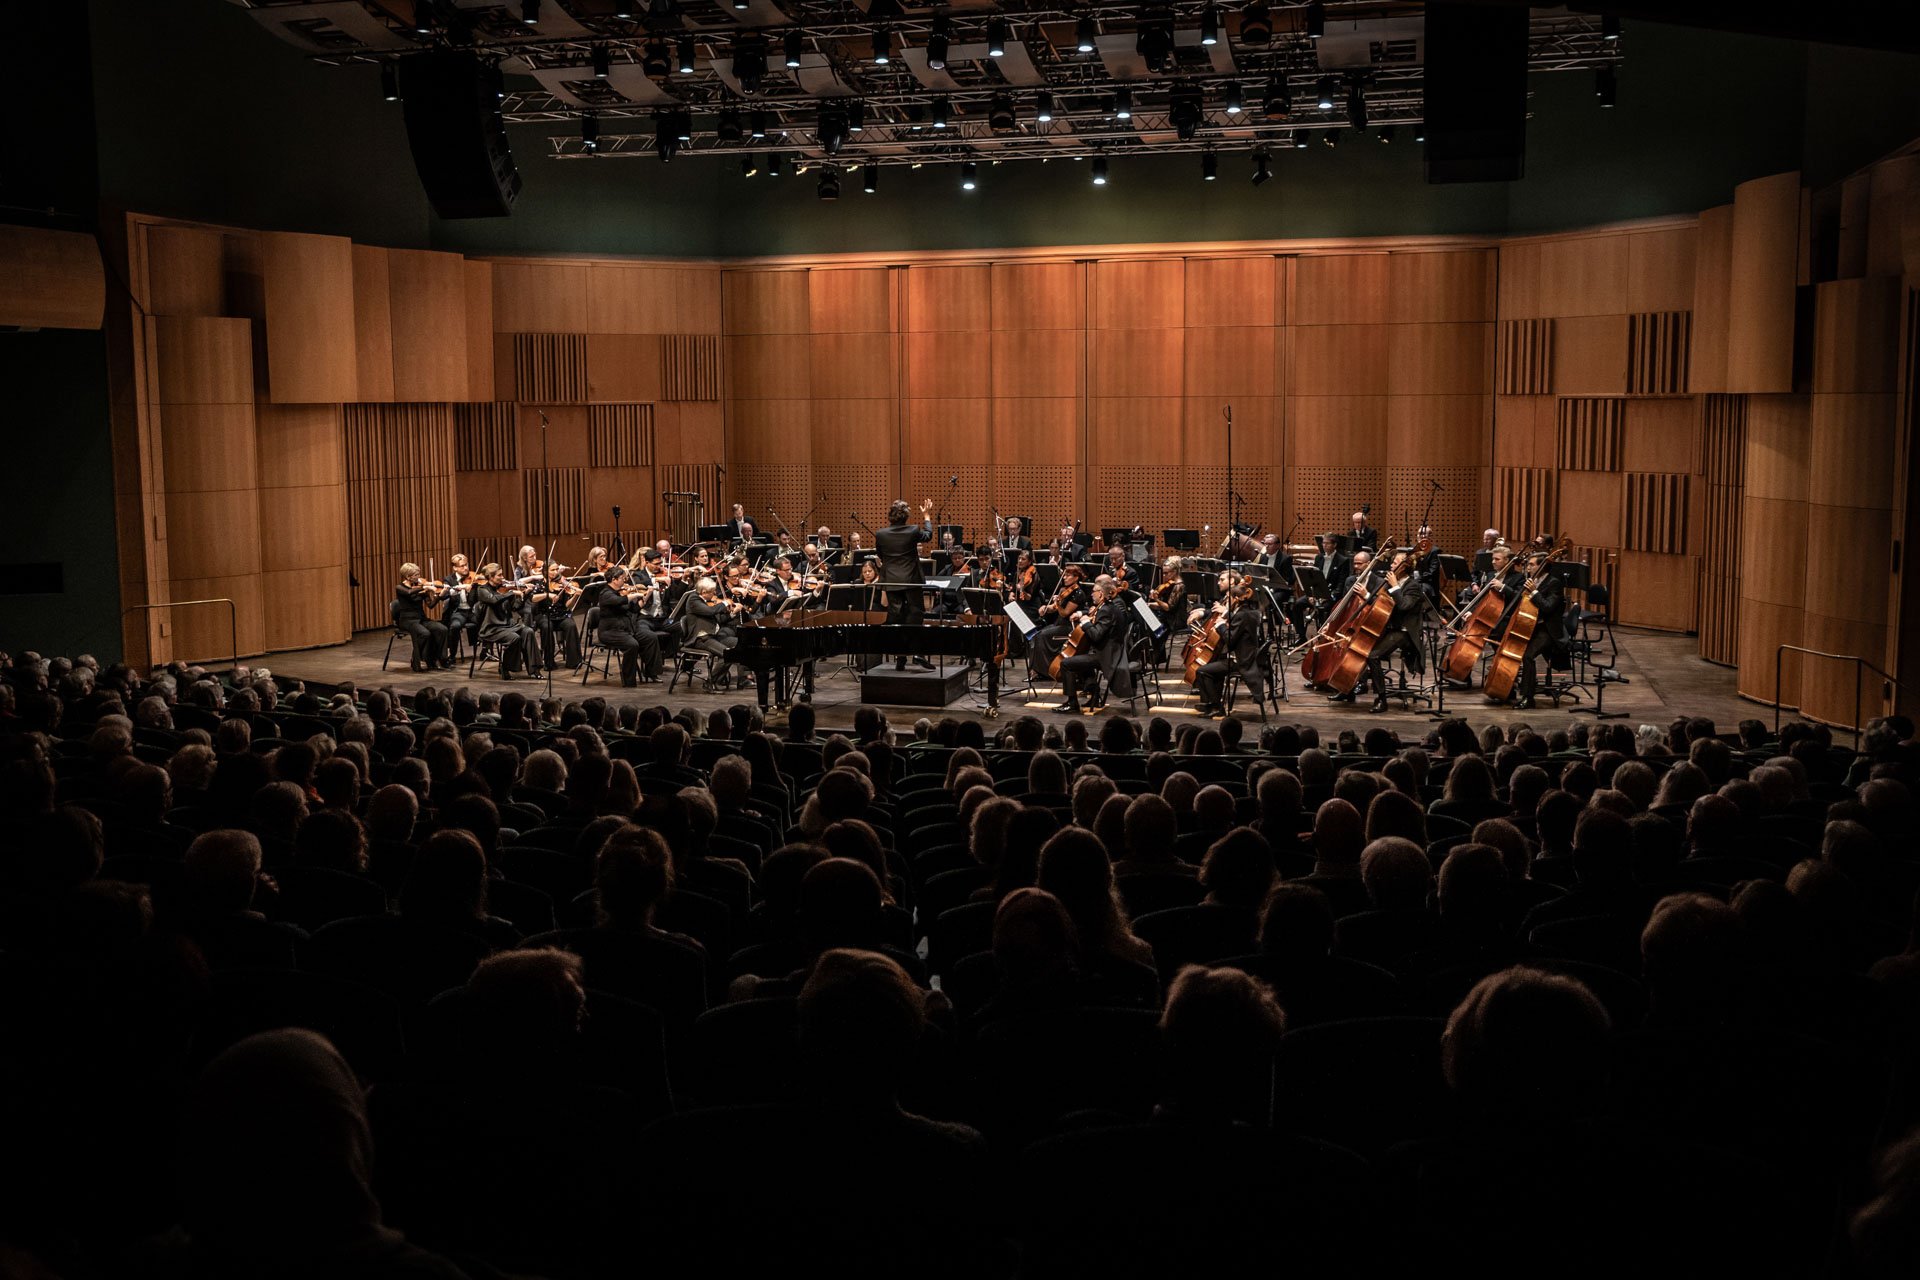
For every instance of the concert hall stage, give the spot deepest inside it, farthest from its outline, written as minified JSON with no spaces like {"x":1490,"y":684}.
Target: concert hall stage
{"x":1665,"y":678}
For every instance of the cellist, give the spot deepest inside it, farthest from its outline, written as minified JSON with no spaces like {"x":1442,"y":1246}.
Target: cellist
{"x":1549,"y":631}
{"x":1400,"y":634}
{"x":1239,"y":650}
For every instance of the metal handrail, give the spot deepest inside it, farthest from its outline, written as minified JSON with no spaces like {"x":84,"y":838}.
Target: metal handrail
{"x":1779,"y":655}
{"x":233,"y":618}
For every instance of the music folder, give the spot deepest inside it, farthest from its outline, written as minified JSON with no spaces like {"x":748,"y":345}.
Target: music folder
{"x":1149,"y":619}
{"x":1021,"y":619}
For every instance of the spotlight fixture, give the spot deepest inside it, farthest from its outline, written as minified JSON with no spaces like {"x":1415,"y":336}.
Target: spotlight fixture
{"x":792,"y":43}
{"x":602,"y":62}
{"x":589,"y":134}
{"x":1232,"y":103}
{"x":856,"y":116}
{"x":1279,"y":100}
{"x":1209,"y":166}
{"x":937,"y":40}
{"x":530,"y":12}
{"x":740,"y":5}
{"x":750,"y":62}
{"x":1388,"y":134}
{"x":685,"y":60}
{"x":683,"y":126}
{"x":1153,"y":41}
{"x":882,"y":48}
{"x":1262,"y":168}
{"x":829,"y":186}
{"x":997,"y":38}
{"x":1298,"y":139}
{"x":1356,"y":106}
{"x":1184,"y":112}
{"x":1000,"y":113}
{"x":654,"y":61}
{"x":1084,"y":34}
{"x":832,"y":128}
{"x":1043,"y":107}
{"x":940,"y":110}
{"x":1609,"y":28}
{"x":666,"y":138}
{"x":1324,"y":100}
{"x":389,"y":82}
{"x":748,"y":166}
{"x":1210,"y":25}
{"x":730,"y":129}
{"x":773,"y":166}
{"x":623,"y":9}
{"x":870,"y":179}
{"x":757,"y":126}
{"x":1316,"y":19}
{"x":1256,"y":24}
{"x":1123,"y":103}
{"x":1420,"y":132}
{"x":1606,"y":87}
{"x":1099,"y":171}
{"x":967,"y":179}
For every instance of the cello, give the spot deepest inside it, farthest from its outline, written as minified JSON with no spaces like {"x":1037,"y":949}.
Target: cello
{"x":1513,"y":645}
{"x":1368,"y":627}
{"x":1208,"y":634}
{"x":1323,"y":651}
{"x":1473,"y":625}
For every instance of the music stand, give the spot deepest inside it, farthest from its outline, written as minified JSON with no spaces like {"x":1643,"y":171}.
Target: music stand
{"x":1204,"y":587}
{"x":1482,"y":563}
{"x":1141,"y":548}
{"x":713,"y":533}
{"x":1311,"y":583}
{"x":1047,"y":579}
{"x":1180,"y":539}
{"x":842,"y":574}
{"x":1455,"y":566}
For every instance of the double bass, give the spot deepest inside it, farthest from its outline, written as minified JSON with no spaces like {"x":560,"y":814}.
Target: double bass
{"x":1368,"y":627}
{"x":1473,"y":625}
{"x":1328,"y":643}
{"x":1513,"y":645}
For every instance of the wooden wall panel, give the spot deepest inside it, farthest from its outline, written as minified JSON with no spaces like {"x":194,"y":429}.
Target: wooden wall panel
{"x":1590,"y":505}
{"x":543,"y":297}
{"x":55,"y":279}
{"x":1658,"y":345}
{"x":1773,"y":544}
{"x":311,"y":356}
{"x":185,"y":270}
{"x":951,"y":365}
{"x":849,"y":300}
{"x":1232,"y":362}
{"x":1525,"y":431}
{"x":1038,"y":433}
{"x":1659,"y":435}
{"x":771,"y":430}
{"x":1138,"y":362}
{"x":1039,"y":295}
{"x":1592,"y":434}
{"x":1656,"y":514}
{"x":1525,"y":358}
{"x":768,"y":368}
{"x":1230,"y":292}
{"x":485,"y":437}
{"x":400,"y":497}
{"x":862,"y":432}
{"x":1712,"y":286}
{"x":1439,"y":431}
{"x":852,"y":365}
{"x":479,"y":288}
{"x":1325,"y":498}
{"x":620,"y":435}
{"x":427,"y":295}
{"x":1590,"y":355}
{"x":1656,"y":590}
{"x":623,"y":367}
{"x":1437,"y":358}
{"x":201,"y":360}
{"x":1137,"y":430}
{"x":1139,"y":293}
{"x":1030,"y":362}
{"x":1585,"y":275}
{"x":1337,"y":430}
{"x":372,"y":324}
{"x":1523,"y":502}
{"x":1338,"y":360}
{"x":1440,"y":286}
{"x":950,"y":432}
{"x":1765,"y":257}
{"x":1340,"y":289}
{"x":756,"y":302}
{"x":689,"y":367}
{"x":949,"y":299}
{"x":1661,"y":267}
{"x":1723,"y":442}
{"x":656,"y":298}
{"x":550,"y":368}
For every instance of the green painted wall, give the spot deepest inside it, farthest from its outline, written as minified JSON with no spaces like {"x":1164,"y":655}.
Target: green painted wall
{"x":59,"y":507}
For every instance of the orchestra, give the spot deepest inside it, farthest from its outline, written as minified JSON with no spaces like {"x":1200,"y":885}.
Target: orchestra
{"x":1359,"y":610}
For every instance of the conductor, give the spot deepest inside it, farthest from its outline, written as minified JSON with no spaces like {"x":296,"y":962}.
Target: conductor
{"x":899,"y":548}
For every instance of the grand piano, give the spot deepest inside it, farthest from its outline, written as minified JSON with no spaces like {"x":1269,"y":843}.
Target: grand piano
{"x":780,"y":645}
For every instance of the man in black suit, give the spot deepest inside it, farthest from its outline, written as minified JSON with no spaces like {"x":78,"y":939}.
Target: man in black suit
{"x":1549,"y":631}
{"x":899,"y":548}
{"x":620,"y":628}
{"x":1240,"y":652}
{"x":1016,"y":539}
{"x":734,"y":522}
{"x":1361,"y":567}
{"x":1364,"y":534}
{"x":1332,"y":562}
{"x":1103,"y":633}
{"x":1402,"y":631}
{"x":1272,"y":555}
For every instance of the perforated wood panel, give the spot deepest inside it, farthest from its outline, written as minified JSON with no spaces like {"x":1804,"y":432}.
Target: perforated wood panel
{"x":967,"y":503}
{"x":1456,"y":505}
{"x":1125,"y":496}
{"x":550,"y":368}
{"x":1204,"y":499}
{"x":1655,"y":517}
{"x":399,"y":497}
{"x":1043,"y":493}
{"x":1723,"y":446}
{"x":485,"y":438}
{"x":857,"y":489}
{"x":690,"y":367}
{"x":1523,"y":502}
{"x":1325,"y":498}
{"x":786,"y":487}
{"x":620,"y":435}
{"x":1659,"y":344}
{"x":1589,"y":434}
{"x":1525,"y":358}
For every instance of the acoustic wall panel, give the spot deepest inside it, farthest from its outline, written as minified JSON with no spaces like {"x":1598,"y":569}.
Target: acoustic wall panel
{"x":1723,"y":465}
{"x":1765,"y":269}
{"x":1658,"y":346}
{"x":311,"y":355}
{"x":1525,"y":357}
{"x":620,"y":435}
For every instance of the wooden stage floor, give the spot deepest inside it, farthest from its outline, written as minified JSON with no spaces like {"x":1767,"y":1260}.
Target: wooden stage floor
{"x":1665,"y":678}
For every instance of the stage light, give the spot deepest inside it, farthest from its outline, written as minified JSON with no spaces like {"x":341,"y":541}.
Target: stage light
{"x":1256,"y":24}
{"x":997,"y":38}
{"x":1262,"y":168}
{"x":1606,"y":87}
{"x":793,"y":43}
{"x":1279,"y":99}
{"x":730,"y":129}
{"x":740,"y":5}
{"x":940,"y":113}
{"x":1298,"y":139}
{"x":530,"y":12}
{"x":1356,"y":107}
{"x":1043,"y":107}
{"x":831,"y":129}
{"x":937,"y":41}
{"x":602,"y":62}
{"x":1209,"y":166}
{"x":829,"y":186}
{"x":757,"y":125}
{"x":870,"y":179}
{"x":1232,"y":103}
{"x":654,"y":61}
{"x":1099,"y":171}
{"x":1084,"y":35}
{"x":1153,"y":41}
{"x":1387,"y":134}
{"x":1609,"y":28}
{"x":750,"y":63}
{"x":967,"y":180}
{"x":1316,"y":20}
{"x":1184,"y":113}
{"x":1210,"y":25}
{"x":686,"y":57}
{"x":748,"y":166}
{"x":389,"y":82}
{"x":623,"y":10}
{"x":1420,"y":132}
{"x":773,"y":166}
{"x":1000,"y":114}
{"x":1123,"y":103}
{"x":589,"y":134}
{"x":856,"y":116}
{"x":683,"y":126}
{"x":882,"y":48}
{"x":1324,"y":100}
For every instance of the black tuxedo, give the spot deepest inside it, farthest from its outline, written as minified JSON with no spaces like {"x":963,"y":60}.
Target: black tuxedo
{"x":1104,"y":649}
{"x":500,"y":624}
{"x":1367,"y":539}
{"x":1402,"y":632}
{"x":899,"y":549}
{"x":1022,"y":543}
{"x":1240,"y":654}
{"x":622,"y":628}
{"x":410,"y":615}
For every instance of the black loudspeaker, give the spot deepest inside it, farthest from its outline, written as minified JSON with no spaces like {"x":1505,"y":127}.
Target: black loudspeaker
{"x":458,"y":136}
{"x":1476,"y":92}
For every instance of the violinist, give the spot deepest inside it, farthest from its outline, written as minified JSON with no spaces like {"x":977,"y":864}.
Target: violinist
{"x":650,"y":589}
{"x":411,"y":600}
{"x":1239,"y":650}
{"x":1401,"y":632}
{"x":1055,"y":617}
{"x":1103,"y":637}
{"x":710,"y":617}
{"x":1169,"y":602}
{"x":552,"y":615}
{"x":1549,"y":632}
{"x":1124,"y":576}
{"x":500,"y":604}
{"x":459,"y":596}
{"x":621,"y":627}
{"x":526,"y":565}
